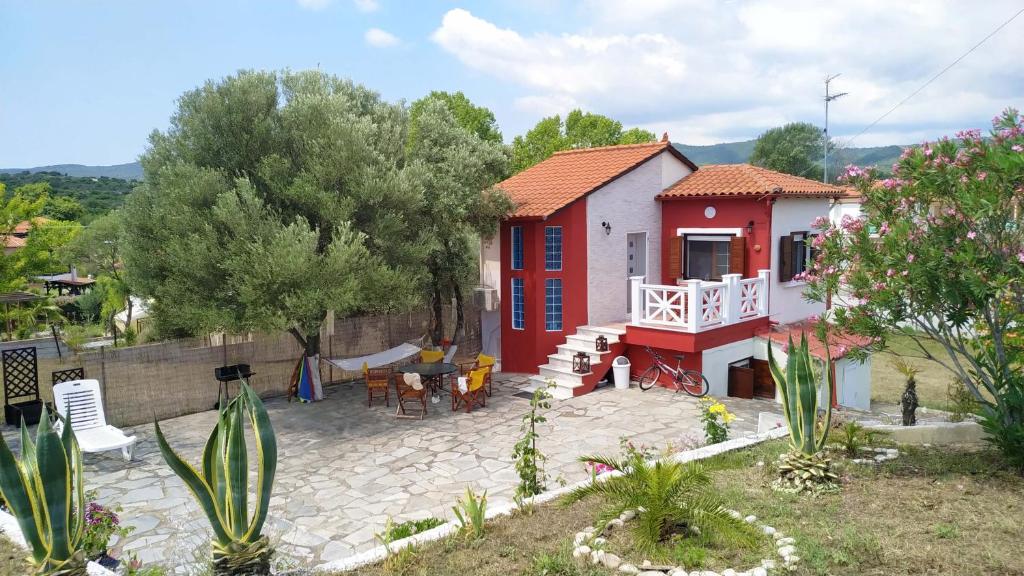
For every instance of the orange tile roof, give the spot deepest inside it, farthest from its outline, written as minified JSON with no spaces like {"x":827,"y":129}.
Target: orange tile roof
{"x":25,"y":226}
{"x":839,"y":343}
{"x":567,"y":176}
{"x":744,"y":180}
{"x":14,"y":241}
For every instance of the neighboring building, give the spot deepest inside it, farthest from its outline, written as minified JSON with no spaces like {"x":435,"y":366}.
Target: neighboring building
{"x":18,"y":237}
{"x":70,"y":281}
{"x":639,"y":245}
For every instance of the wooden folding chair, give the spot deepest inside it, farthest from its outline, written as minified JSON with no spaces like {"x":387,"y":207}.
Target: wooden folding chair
{"x":475,"y":393}
{"x":431,"y":356}
{"x":410,"y":389}
{"x":482,"y":361}
{"x":378,"y":383}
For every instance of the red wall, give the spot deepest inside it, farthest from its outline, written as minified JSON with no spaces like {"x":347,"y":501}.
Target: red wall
{"x":524,"y":350}
{"x":730,"y":213}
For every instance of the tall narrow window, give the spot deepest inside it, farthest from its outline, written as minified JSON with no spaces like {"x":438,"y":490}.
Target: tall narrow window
{"x":517,"y":247}
{"x":553,"y":304}
{"x":552,"y":247}
{"x":518,"y":304}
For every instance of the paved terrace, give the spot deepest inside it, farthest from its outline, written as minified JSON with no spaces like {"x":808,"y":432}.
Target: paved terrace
{"x":344,"y":468}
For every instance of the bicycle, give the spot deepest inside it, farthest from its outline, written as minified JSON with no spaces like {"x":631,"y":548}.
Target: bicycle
{"x":693,"y":382}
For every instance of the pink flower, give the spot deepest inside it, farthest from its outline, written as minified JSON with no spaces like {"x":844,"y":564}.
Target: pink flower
{"x":982,"y":175}
{"x":910,"y":258}
{"x":963,"y":178}
{"x":1020,"y":255}
{"x":972,"y":235}
{"x":890,"y":273}
{"x":1017,"y":148}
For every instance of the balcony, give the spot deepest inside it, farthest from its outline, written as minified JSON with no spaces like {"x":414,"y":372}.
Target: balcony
{"x":696,"y":306}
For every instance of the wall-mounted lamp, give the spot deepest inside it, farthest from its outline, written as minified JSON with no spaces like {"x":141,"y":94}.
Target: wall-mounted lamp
{"x":750,"y":228}
{"x":607,"y":227}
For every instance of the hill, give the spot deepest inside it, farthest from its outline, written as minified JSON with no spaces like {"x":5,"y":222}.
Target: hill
{"x":97,"y":195}
{"x":129,"y":171}
{"x":882,"y":157}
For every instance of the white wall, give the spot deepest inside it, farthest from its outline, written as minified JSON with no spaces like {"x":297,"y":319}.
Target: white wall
{"x":490,"y":276}
{"x":853,"y":383}
{"x":786,"y":301}
{"x":715,"y":364}
{"x":628,"y":204}
{"x":840,"y":209}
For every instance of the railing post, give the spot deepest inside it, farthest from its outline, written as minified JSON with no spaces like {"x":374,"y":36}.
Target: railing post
{"x":691,"y":288}
{"x":731,"y":299}
{"x":636,"y":301}
{"x":762,"y":298}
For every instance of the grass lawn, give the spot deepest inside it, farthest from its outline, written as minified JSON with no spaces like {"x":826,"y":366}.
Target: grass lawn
{"x":927,"y":512}
{"x":12,"y":558}
{"x":887,"y":383}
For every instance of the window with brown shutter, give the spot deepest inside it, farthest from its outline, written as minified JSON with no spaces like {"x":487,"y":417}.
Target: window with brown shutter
{"x":785,"y":258}
{"x":737,"y":254}
{"x":675,"y":257}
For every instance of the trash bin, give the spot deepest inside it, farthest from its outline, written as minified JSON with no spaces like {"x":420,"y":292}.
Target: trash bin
{"x":620,"y":371}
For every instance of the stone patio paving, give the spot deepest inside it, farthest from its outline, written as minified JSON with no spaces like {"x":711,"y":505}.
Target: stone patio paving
{"x":344,"y":468}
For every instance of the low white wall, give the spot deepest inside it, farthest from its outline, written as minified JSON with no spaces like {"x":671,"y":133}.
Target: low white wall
{"x":715,"y":364}
{"x":938,"y":433}
{"x":503,"y":509}
{"x":9,"y":526}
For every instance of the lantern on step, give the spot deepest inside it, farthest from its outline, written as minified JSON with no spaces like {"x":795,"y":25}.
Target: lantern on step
{"x":581,"y":363}
{"x":601,"y":345}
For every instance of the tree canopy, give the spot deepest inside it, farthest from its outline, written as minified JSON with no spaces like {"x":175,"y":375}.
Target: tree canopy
{"x":579,"y":130}
{"x":273,"y":198}
{"x":477,"y":120}
{"x":794,"y":149}
{"x":939,"y":254}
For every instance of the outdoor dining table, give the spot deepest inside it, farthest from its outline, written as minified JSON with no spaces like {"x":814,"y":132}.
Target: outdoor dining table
{"x":433,"y":374}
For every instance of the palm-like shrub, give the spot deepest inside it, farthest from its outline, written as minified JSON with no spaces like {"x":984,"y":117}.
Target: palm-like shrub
{"x":222,"y":487}
{"x":804,"y":467}
{"x":44,"y":489}
{"x":670,"y":498}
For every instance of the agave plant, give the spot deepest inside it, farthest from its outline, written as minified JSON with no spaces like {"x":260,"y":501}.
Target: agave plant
{"x":805,"y":466}
{"x":670,"y":498}
{"x":44,"y":489}
{"x":222,"y":487}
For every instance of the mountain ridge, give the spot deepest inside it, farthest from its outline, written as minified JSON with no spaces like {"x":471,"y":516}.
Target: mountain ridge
{"x":127,"y":171}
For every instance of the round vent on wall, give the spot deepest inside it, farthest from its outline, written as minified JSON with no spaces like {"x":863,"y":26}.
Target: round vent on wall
{"x":710,"y":212}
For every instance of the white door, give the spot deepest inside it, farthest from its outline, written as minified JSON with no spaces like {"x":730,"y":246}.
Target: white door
{"x":636,"y":260}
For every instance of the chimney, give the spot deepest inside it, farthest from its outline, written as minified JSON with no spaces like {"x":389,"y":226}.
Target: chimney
{"x":74,"y":272}
{"x":664,"y":137}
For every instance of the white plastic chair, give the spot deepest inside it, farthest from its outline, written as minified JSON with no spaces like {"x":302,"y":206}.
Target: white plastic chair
{"x":450,"y":354}
{"x":88,"y":419}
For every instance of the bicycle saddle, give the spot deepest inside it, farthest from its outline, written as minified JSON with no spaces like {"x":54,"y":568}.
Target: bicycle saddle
{"x":679,"y":356}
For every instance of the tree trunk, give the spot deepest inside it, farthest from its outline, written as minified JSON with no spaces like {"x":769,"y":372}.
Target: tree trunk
{"x":310,"y":344}
{"x":460,"y":312}
{"x":437,"y":308}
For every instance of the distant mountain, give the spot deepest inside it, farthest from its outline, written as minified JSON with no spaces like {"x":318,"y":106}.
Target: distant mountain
{"x":130,"y":171}
{"x":882,"y":157}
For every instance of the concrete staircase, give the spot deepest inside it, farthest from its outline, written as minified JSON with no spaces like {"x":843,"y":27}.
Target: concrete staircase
{"x":559,"y":366}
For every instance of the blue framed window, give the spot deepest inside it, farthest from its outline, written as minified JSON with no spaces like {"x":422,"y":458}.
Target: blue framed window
{"x":553,"y":304}
{"x":518,"y":304}
{"x":552,"y":247}
{"x":517,"y":247}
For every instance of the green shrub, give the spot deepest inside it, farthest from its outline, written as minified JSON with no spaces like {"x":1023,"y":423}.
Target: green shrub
{"x":471,"y":513}
{"x":852,"y":437}
{"x":393,"y":532}
{"x":961,"y":402}
{"x":529,"y":460}
{"x":671,"y":499}
{"x":688,"y":555}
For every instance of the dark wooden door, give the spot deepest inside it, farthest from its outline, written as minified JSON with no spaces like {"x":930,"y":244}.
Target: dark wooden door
{"x":741,"y":382}
{"x":764,"y":386}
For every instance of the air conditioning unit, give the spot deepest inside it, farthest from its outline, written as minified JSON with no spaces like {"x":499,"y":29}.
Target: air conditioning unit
{"x":485,"y":298}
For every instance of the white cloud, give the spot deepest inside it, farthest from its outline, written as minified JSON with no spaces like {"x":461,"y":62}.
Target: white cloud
{"x":314,"y":4}
{"x":380,"y":38}
{"x":718,"y":71}
{"x":366,"y":5}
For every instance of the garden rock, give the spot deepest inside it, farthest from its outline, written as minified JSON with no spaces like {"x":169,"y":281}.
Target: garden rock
{"x":627,"y":515}
{"x":629,"y":569}
{"x":750,"y":519}
{"x":611,"y":561}
{"x":785,"y":541}
{"x":652,"y":573}
{"x":786,"y":550}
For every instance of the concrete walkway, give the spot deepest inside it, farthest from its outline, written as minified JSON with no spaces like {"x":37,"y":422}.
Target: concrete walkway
{"x":344,"y":468}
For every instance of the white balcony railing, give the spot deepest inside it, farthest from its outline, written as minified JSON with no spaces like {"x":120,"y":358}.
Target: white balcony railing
{"x":695,"y":306}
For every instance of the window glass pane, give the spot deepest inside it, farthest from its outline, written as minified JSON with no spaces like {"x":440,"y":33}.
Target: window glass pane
{"x":518,"y":304}
{"x":799,"y":254}
{"x":707,"y":259}
{"x":553,"y":248}
{"x":553,"y":304}
{"x":517,"y":247}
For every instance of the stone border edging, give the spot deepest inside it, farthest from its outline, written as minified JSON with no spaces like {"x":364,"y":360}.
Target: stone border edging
{"x":9,"y":526}
{"x":379,"y":553}
{"x":935,"y":433}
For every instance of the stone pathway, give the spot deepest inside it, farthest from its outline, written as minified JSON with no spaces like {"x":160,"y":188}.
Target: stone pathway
{"x":344,"y":468}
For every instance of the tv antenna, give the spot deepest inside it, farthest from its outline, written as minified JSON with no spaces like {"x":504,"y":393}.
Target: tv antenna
{"x":828,"y":98}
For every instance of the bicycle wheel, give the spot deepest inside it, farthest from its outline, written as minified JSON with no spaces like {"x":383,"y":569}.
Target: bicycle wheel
{"x":695,"y":384}
{"x":649,"y":378}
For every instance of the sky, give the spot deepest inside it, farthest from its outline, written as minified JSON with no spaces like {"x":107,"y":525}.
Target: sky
{"x":87,"y":81}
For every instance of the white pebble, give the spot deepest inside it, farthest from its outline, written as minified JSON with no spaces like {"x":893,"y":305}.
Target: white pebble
{"x":786,"y":551}
{"x":628,"y":569}
{"x":785,"y":541}
{"x":590,"y":529}
{"x":768,"y":530}
{"x":611,"y":561}
{"x":759,"y":571}
{"x":627,"y":515}
{"x":750,"y":519}
{"x":735,"y":514}
{"x":768,"y":564}
{"x":598,"y":542}
{"x":615,"y":523}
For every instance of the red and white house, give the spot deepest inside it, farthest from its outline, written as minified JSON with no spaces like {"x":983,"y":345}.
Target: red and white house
{"x":638,"y":244}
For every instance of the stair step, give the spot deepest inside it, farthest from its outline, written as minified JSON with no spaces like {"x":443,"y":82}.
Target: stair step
{"x":561,"y":390}
{"x":565,"y":360}
{"x":570,"y":349}
{"x":606,"y":330}
{"x":586,"y":342}
{"x":559,"y":373}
